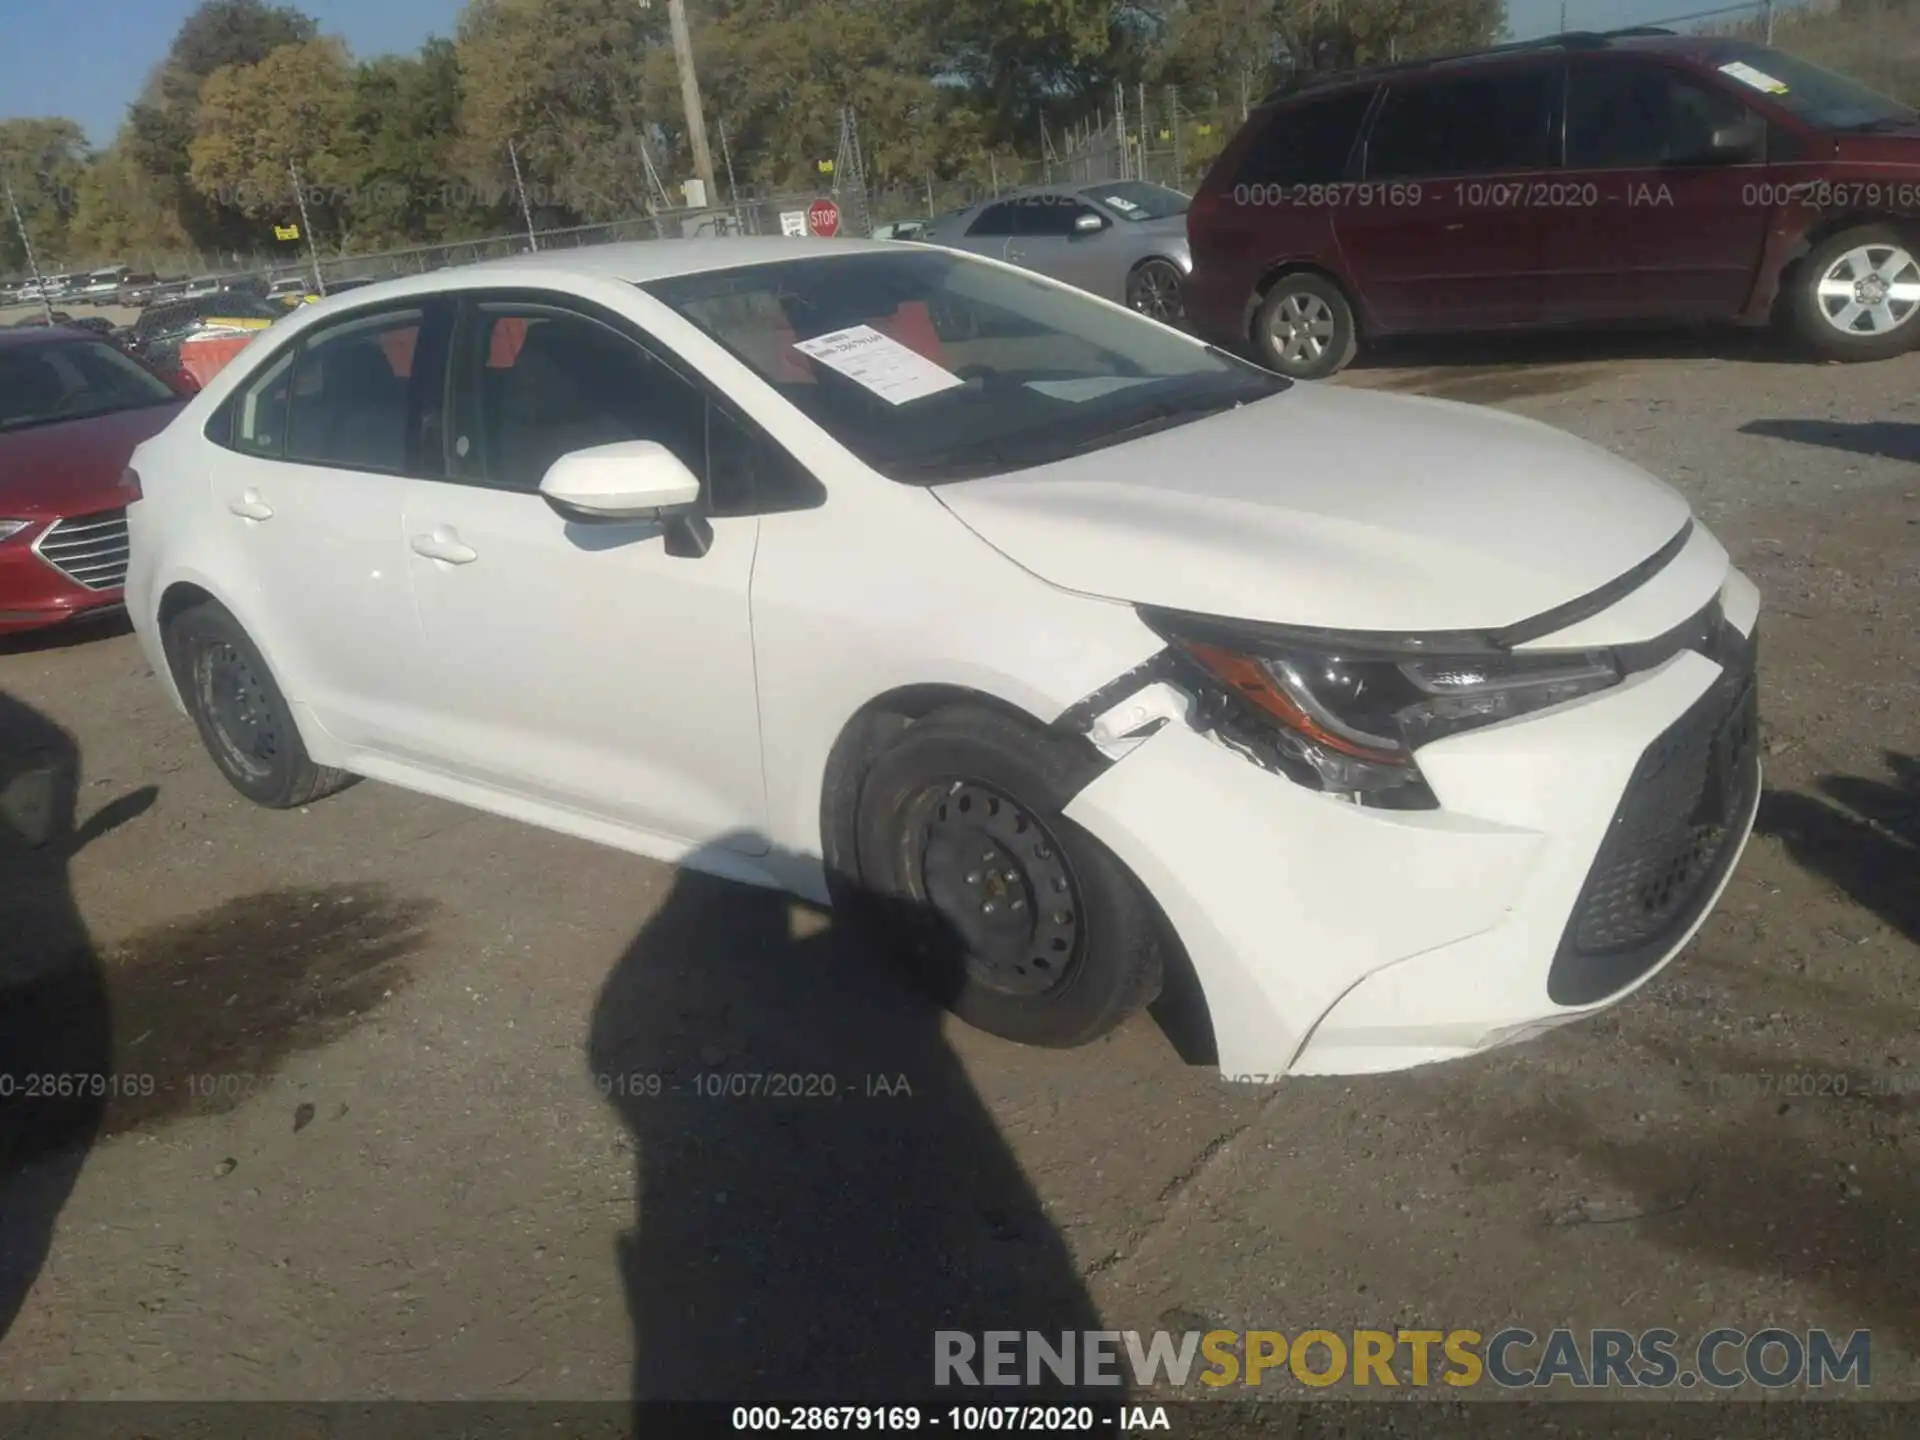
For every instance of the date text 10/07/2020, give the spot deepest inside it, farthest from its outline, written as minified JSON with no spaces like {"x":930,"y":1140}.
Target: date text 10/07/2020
{"x":1459,"y":194}
{"x":234,"y":1086}
{"x":959,"y":1419}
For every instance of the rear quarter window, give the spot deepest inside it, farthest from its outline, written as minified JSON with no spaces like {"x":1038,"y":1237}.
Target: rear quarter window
{"x":1307,"y":143}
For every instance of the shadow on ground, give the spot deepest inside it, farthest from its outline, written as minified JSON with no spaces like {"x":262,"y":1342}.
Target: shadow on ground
{"x":1863,"y":836}
{"x":84,"y":631}
{"x":819,"y":1187}
{"x":1793,"y":1167}
{"x":1574,"y":347}
{"x":192,"y":1017}
{"x":1881,"y":439}
{"x":56,"y":1033}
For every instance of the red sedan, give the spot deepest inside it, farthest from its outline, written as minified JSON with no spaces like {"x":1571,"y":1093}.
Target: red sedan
{"x":72,"y":408}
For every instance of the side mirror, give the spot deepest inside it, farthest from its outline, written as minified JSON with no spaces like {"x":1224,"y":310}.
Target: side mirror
{"x":1088,"y":225}
{"x":1744,"y":140}
{"x":627,"y":481}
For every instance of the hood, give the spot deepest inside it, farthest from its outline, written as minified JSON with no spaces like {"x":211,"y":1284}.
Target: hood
{"x":73,"y":467}
{"x":1337,"y":509}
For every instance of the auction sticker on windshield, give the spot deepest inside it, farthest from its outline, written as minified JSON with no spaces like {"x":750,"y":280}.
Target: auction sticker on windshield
{"x":880,"y":363}
{"x":1758,"y":79}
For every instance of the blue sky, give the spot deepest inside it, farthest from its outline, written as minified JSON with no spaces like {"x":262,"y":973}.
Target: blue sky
{"x":89,"y":58}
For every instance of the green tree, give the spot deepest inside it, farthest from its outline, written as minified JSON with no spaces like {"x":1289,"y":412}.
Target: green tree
{"x":216,"y":35}
{"x":776,"y":73}
{"x":563,"y":81}
{"x":121,"y":213}
{"x":257,"y":125}
{"x":401,"y":135}
{"x":42,"y":160}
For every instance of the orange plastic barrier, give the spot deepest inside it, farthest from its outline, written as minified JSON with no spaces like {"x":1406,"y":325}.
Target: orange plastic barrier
{"x":206,"y":357}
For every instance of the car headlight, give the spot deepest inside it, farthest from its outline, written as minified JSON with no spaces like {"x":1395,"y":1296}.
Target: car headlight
{"x":10,"y":528}
{"x":1354,"y":709}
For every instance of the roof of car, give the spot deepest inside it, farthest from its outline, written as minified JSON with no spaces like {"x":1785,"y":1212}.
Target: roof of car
{"x":23,"y":335}
{"x":633,"y":262}
{"x":1640,"y":39}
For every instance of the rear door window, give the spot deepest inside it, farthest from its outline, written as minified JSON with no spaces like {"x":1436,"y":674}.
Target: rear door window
{"x":1475,"y":124}
{"x":351,"y":393}
{"x":995,"y":220}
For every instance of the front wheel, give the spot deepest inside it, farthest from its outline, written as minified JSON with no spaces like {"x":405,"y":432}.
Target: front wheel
{"x":1020,"y":922}
{"x":1305,"y":328}
{"x":1155,"y":290}
{"x":1856,"y":295}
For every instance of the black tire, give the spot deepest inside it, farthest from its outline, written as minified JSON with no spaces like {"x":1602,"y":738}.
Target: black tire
{"x":1304,"y":328}
{"x":1057,"y":974}
{"x":225,"y":682}
{"x":1809,"y":309}
{"x":1157,"y":289}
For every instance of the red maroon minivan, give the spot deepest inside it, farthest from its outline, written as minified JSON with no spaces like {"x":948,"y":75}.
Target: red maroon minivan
{"x":1636,"y":176}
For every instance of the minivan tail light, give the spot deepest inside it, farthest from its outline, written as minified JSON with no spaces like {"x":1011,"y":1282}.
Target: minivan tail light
{"x":1203,"y":212}
{"x":130,"y":484}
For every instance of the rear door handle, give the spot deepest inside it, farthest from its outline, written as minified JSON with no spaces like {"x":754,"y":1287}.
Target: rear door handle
{"x":251,"y":507}
{"x":443,"y":544}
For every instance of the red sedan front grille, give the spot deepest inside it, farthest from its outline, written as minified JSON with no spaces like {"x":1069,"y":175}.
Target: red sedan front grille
{"x":90,"y":550}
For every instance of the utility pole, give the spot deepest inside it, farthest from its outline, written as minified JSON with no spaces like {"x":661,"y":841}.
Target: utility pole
{"x":33,"y":265}
{"x":690,"y":98}
{"x":313,"y":249}
{"x":526,"y":210}
{"x":1768,"y":7}
{"x":1563,"y":17}
{"x":733,"y":186}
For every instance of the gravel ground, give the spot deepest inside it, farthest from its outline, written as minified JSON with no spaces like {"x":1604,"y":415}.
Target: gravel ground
{"x":374,"y":1164}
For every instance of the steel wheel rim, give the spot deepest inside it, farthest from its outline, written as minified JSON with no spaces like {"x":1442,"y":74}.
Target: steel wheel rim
{"x":1156,"y":292}
{"x":1871,"y":290}
{"x":1301,"y":329}
{"x":238,"y":712}
{"x":997,"y":875}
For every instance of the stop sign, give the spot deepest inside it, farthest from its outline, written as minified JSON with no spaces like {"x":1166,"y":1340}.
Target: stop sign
{"x":823,"y":218}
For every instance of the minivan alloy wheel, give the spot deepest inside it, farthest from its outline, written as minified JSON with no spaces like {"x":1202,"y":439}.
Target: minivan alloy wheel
{"x":1301,"y":327}
{"x":1872,"y":289}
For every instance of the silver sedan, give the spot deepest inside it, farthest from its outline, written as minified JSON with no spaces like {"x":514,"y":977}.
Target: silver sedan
{"x":1124,"y":240}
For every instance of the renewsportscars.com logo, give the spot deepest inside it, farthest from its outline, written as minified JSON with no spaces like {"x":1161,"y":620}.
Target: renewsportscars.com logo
{"x":1512,"y":1358}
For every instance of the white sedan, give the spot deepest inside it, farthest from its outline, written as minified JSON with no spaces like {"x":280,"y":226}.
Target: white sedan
{"x":1374,"y":731}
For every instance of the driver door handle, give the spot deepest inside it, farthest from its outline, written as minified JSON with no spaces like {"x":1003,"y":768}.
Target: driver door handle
{"x":443,"y":544}
{"x":251,"y":507}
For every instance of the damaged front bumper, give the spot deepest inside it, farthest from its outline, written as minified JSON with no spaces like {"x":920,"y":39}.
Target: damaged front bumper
{"x":1332,"y":938}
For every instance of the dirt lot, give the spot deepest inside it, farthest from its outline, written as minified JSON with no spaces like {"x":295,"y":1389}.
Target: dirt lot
{"x":374,"y":1163}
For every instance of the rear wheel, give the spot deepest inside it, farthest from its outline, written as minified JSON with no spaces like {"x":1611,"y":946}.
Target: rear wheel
{"x":1019,"y":921}
{"x":243,"y":719}
{"x":1305,"y":328}
{"x":1856,"y":296}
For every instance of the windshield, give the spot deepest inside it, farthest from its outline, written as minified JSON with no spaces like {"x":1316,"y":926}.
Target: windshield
{"x":1818,"y":96}
{"x":72,"y":380}
{"x":1139,"y":199}
{"x":932,"y":366}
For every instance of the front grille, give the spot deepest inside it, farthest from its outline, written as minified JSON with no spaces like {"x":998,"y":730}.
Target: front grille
{"x":1673,"y":836}
{"x":90,"y":550}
